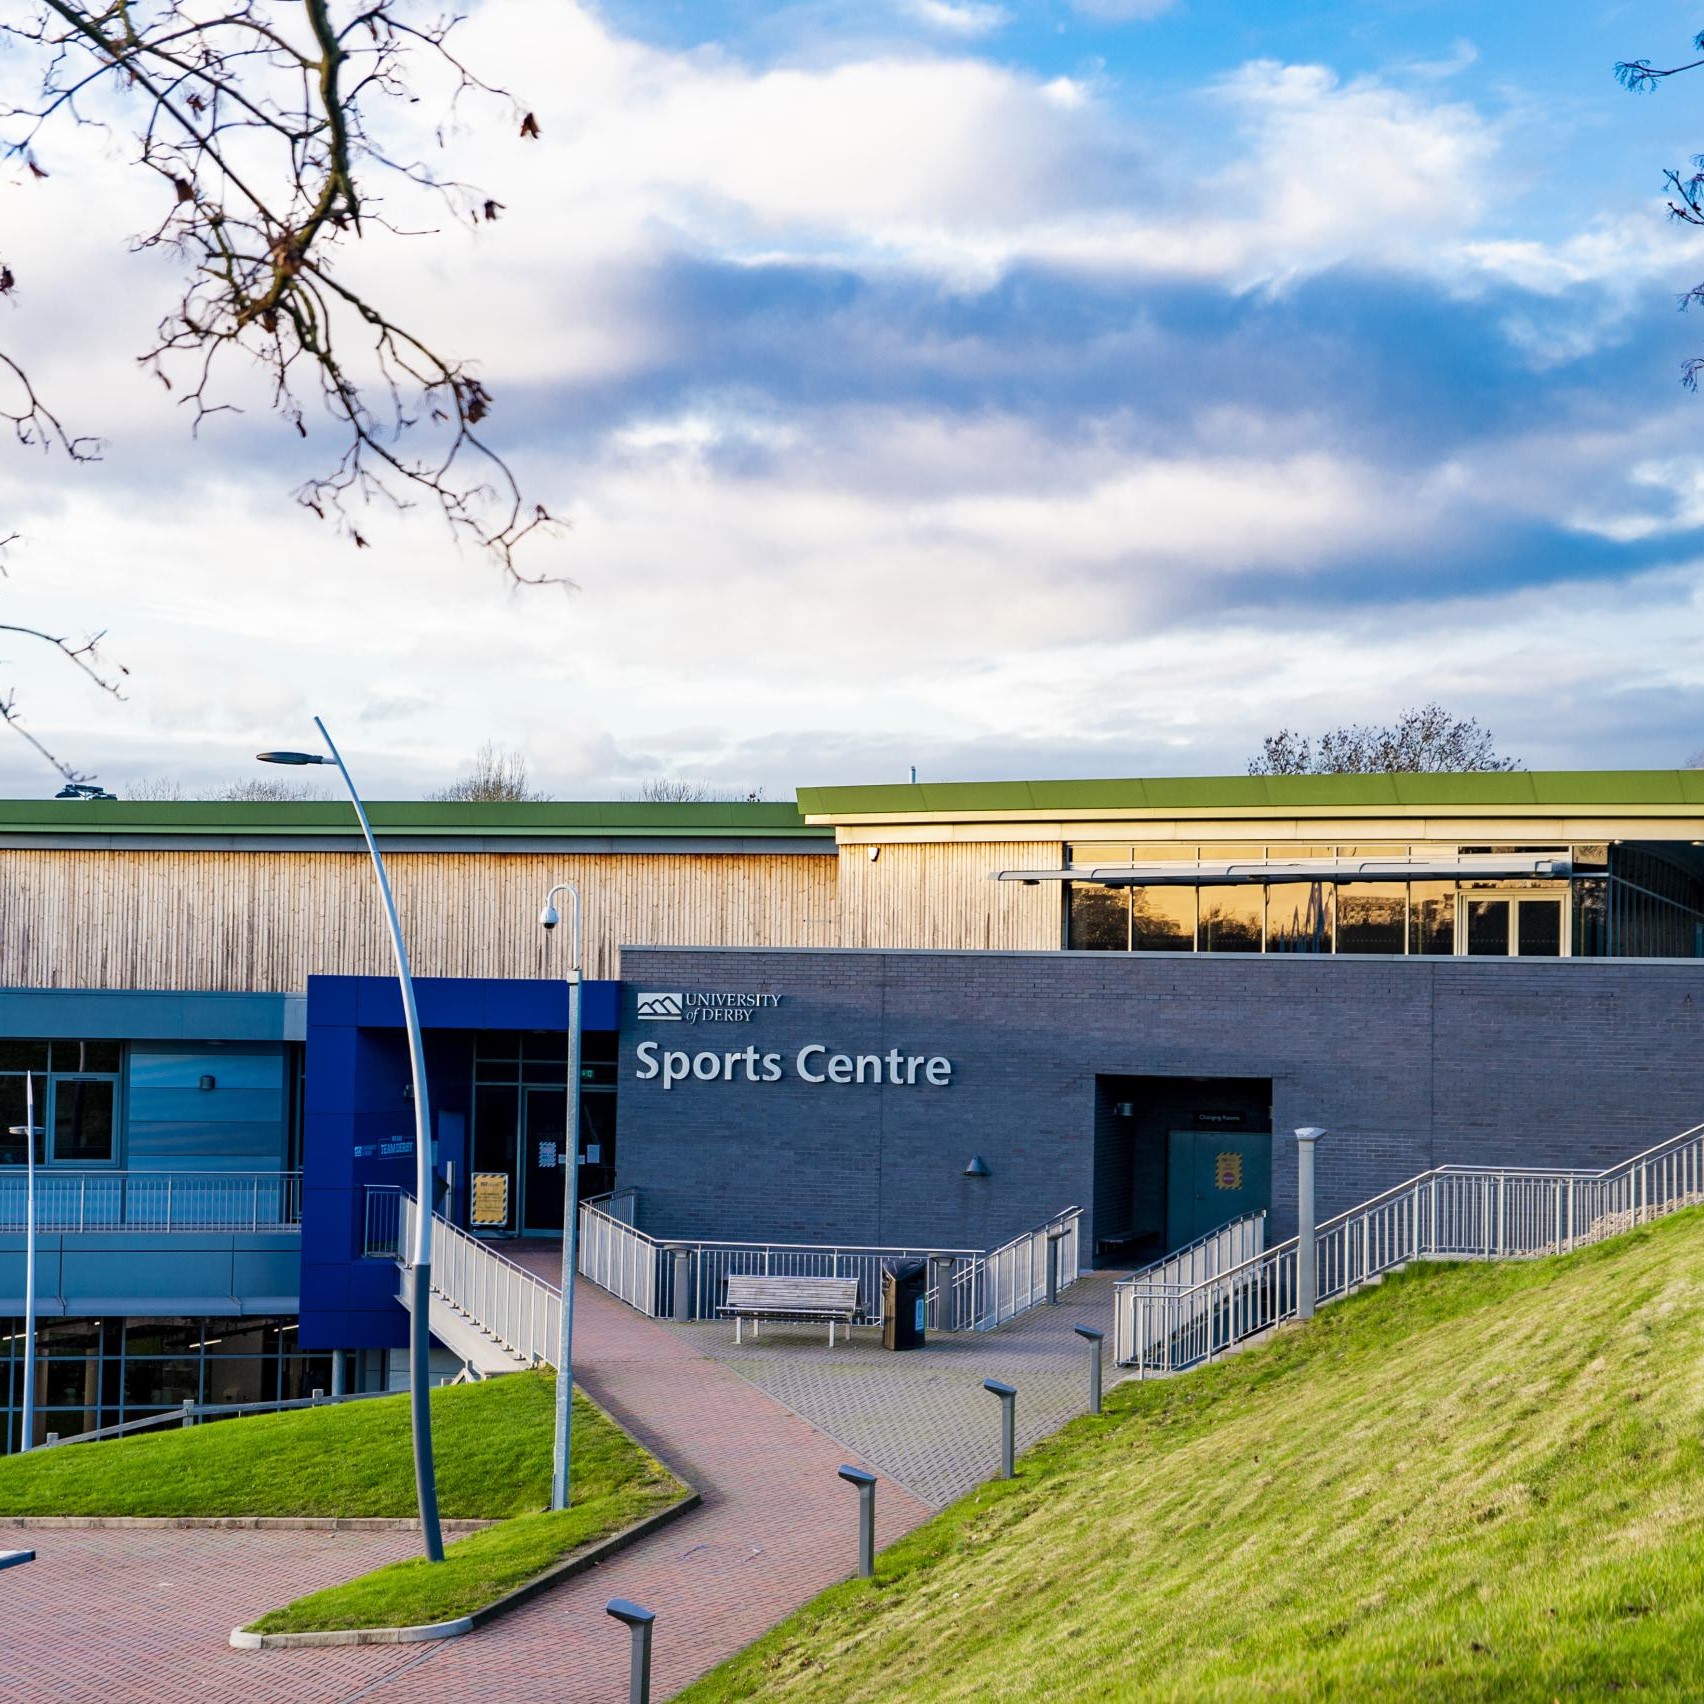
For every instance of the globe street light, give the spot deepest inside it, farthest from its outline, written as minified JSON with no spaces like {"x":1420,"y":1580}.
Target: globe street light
{"x":548,"y":918}
{"x":420,"y":1269}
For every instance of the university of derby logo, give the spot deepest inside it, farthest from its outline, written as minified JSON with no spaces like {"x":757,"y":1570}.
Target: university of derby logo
{"x":670,"y":1007}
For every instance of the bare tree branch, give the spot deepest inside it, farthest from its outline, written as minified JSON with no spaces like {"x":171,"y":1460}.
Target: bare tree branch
{"x":271,"y":126}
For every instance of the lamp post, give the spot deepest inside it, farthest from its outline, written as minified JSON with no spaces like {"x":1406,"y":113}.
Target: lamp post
{"x":29,"y":1131}
{"x":548,"y":918}
{"x":420,"y":1270}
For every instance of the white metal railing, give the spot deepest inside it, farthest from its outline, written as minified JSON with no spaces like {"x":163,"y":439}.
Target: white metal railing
{"x":509,"y":1304}
{"x":1449,"y":1213}
{"x":1186,"y":1270}
{"x":620,"y":1259}
{"x":153,"y":1201}
{"x":1031,"y":1268}
{"x":967,"y":1290}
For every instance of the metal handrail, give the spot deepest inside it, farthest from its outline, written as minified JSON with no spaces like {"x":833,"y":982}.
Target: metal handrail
{"x":1449,"y":1212}
{"x":75,"y":1202}
{"x":517,"y":1308}
{"x":189,"y":1412}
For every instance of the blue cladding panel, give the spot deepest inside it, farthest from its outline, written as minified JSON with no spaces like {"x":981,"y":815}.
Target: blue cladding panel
{"x":357,"y":1068}
{"x":172,"y":1122}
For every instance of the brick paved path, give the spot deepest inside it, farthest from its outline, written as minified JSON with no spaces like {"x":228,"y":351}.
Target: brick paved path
{"x":923,"y":1416}
{"x":775,"y":1528}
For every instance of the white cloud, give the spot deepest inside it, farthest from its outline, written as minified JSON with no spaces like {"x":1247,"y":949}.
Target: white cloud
{"x":965,"y":19}
{"x":1122,"y":11}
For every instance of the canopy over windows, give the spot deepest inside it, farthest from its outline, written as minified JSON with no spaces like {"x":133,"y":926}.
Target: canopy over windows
{"x":1495,"y":866}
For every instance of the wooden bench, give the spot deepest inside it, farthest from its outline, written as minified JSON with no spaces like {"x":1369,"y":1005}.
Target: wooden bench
{"x":754,"y":1298}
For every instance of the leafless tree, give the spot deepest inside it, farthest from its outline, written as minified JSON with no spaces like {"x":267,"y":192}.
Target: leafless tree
{"x":1428,"y":740}
{"x":260,"y":791}
{"x":498,"y":776}
{"x":673,"y":790}
{"x":275,"y":134}
{"x":1686,"y":185}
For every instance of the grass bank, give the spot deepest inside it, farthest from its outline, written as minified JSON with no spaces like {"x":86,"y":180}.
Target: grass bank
{"x":1473,"y":1482}
{"x":492,"y":1446}
{"x":491,"y":1441}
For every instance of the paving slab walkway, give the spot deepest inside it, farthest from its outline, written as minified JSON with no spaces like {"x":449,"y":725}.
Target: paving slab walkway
{"x":124,"y":1615}
{"x":923,"y":1416}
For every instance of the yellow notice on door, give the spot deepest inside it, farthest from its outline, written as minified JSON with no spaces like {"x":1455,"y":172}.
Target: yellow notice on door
{"x":490,"y":1199}
{"x":1228,"y":1171}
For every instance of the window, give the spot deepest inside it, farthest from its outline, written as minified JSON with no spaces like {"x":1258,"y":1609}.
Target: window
{"x":1372,"y":917}
{"x":1231,"y":919}
{"x":1099,"y":918}
{"x":76,"y":1100}
{"x":1162,"y":919}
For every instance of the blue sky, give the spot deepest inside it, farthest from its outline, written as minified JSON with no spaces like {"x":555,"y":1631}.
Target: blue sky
{"x":1002,"y":388}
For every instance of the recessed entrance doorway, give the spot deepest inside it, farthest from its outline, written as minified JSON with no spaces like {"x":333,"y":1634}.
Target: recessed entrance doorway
{"x":1512,"y":925}
{"x":1176,"y":1157}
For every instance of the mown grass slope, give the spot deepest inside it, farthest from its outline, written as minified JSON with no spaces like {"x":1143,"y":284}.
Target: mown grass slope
{"x":1472,"y":1482}
{"x":491,"y":1442}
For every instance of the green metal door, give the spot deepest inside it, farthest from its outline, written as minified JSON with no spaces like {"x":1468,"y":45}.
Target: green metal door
{"x":1212,"y":1176}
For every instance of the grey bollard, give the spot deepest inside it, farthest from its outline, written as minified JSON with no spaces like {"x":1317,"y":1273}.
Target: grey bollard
{"x":1307,"y":1269}
{"x":1008,"y":1425}
{"x":639,"y":1622}
{"x":1094,"y":1340}
{"x":866,"y":1483}
{"x":682,"y":1257}
{"x":189,"y":1411}
{"x":53,"y":1437}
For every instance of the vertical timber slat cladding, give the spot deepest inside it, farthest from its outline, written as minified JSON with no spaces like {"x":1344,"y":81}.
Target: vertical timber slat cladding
{"x":266,"y":921}
{"x":938,"y":895}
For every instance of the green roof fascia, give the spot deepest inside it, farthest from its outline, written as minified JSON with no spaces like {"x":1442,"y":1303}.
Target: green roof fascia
{"x":1519,"y":789}
{"x":762,"y":820}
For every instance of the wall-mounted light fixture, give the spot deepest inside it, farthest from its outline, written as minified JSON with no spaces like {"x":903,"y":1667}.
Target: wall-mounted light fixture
{"x":978,"y":1167}
{"x":408,"y":1091}
{"x":1125,"y":1109}
{"x":209,"y":1082}
{"x":875,"y":853}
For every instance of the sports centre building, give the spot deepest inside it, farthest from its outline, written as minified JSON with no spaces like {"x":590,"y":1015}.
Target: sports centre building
{"x":913,"y":1015}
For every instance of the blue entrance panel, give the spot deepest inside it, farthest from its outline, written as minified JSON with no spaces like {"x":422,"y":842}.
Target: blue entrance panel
{"x":358,"y":1123}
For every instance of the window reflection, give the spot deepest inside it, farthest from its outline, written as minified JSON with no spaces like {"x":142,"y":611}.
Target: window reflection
{"x":1372,"y":917}
{"x":1299,"y":917}
{"x":1162,"y":919}
{"x":1230,"y":919}
{"x":1431,"y":917}
{"x":1099,"y":918}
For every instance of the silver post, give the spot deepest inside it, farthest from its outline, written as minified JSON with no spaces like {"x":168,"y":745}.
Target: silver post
{"x":1307,"y":1272}
{"x":420,"y":1269}
{"x":339,"y":1371}
{"x":29,"y":1260}
{"x":1094,"y":1339}
{"x":188,"y":1411}
{"x":866,"y":1483}
{"x":639,"y":1620}
{"x":681,"y":1255}
{"x":559,"y":1484}
{"x":1008,"y":1425}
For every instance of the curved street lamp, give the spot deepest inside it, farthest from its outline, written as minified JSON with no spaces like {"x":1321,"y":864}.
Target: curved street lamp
{"x":420,"y":1269}
{"x":548,"y":918}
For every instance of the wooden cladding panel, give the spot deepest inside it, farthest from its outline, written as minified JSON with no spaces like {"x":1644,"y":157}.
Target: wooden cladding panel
{"x":939,"y":895}
{"x":266,"y":921}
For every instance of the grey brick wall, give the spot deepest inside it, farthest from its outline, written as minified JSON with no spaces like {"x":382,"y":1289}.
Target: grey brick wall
{"x":1409,"y":1063}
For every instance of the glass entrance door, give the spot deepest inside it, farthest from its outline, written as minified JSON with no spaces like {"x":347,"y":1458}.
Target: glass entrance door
{"x":1512,"y":925}
{"x":544,"y":1157}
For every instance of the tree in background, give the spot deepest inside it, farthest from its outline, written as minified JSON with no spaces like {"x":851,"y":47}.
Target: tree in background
{"x":162,"y":789}
{"x":1686,"y":187}
{"x":1425,"y":741}
{"x":498,"y":776}
{"x":673,"y":790}
{"x":272,"y":136}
